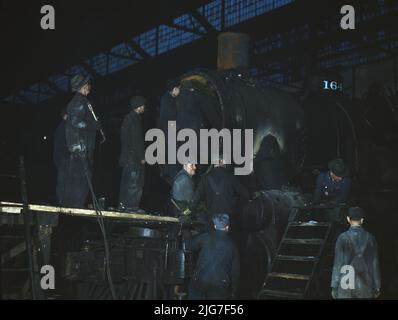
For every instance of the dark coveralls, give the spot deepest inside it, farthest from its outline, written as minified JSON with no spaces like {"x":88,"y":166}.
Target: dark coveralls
{"x":222,"y":190}
{"x":81,"y":129}
{"x":133,"y":152}
{"x":328,"y":191}
{"x":357,"y":248}
{"x":61,"y":157}
{"x":168,"y":112}
{"x":216,"y":274}
{"x":183,"y":192}
{"x":271,"y":167}
{"x":188,"y":110}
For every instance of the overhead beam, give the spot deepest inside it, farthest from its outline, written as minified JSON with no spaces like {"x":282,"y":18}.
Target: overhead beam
{"x":120,"y":56}
{"x":144,"y":55}
{"x":54,"y":87}
{"x":23,"y":99}
{"x":4,"y":99}
{"x":222,"y":14}
{"x":203,"y":21}
{"x":186,"y":29}
{"x":90,"y":70}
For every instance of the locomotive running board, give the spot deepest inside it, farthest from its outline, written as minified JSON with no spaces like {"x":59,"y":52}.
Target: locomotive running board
{"x":16,"y":208}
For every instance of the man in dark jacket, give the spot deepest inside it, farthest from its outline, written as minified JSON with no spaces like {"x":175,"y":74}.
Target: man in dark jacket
{"x":168,"y":112}
{"x":216,"y":274}
{"x":132,"y":158}
{"x":168,"y":107}
{"x":61,"y":157}
{"x":333,"y":187}
{"x":188,"y":109}
{"x":356,"y":271}
{"x":271,"y":167}
{"x":81,"y":128}
{"x":183,"y":191}
{"x":222,"y":190}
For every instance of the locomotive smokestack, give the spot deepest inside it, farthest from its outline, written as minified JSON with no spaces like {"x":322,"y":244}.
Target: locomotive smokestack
{"x":233,"y":51}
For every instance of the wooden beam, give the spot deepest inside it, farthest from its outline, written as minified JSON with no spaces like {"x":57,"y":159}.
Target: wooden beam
{"x":18,"y":249}
{"x":15,"y":208}
{"x":13,"y":252}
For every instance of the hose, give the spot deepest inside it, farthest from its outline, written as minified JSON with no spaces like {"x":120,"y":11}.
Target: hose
{"x":100,"y":220}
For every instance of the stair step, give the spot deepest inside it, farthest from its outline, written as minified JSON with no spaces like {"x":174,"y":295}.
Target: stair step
{"x":12,"y":237}
{"x":303,"y":241}
{"x":296,"y":258}
{"x":17,"y":288}
{"x":281,"y":294}
{"x":290,"y":276}
{"x":10,"y":296}
{"x":14,"y":270}
{"x":306,"y":224}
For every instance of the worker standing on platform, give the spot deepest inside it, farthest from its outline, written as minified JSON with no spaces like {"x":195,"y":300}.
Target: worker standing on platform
{"x":61,"y":157}
{"x":168,"y":113}
{"x":81,"y":128}
{"x":132,"y":158}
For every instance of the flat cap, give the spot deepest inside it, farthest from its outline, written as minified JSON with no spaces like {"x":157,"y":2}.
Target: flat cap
{"x":356,"y":213}
{"x":137,"y":101}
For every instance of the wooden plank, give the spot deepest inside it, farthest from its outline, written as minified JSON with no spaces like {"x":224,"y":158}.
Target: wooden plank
{"x":15,"y":208}
{"x":19,"y":248}
{"x":13,"y":252}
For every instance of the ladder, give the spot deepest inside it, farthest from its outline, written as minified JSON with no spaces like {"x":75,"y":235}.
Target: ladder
{"x":295,"y":265}
{"x":25,"y":242}
{"x":14,"y":267}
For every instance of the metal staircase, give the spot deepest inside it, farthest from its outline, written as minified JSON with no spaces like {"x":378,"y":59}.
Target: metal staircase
{"x":295,"y":265}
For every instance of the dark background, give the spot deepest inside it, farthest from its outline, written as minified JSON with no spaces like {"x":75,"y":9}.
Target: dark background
{"x":289,"y":43}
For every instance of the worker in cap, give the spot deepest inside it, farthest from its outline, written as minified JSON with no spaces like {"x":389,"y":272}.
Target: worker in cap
{"x":79,"y":81}
{"x":356,"y":253}
{"x":216,"y":274}
{"x":221,"y":189}
{"x":333,"y":187}
{"x":80,"y":130}
{"x":167,"y":119}
{"x":132,"y":158}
